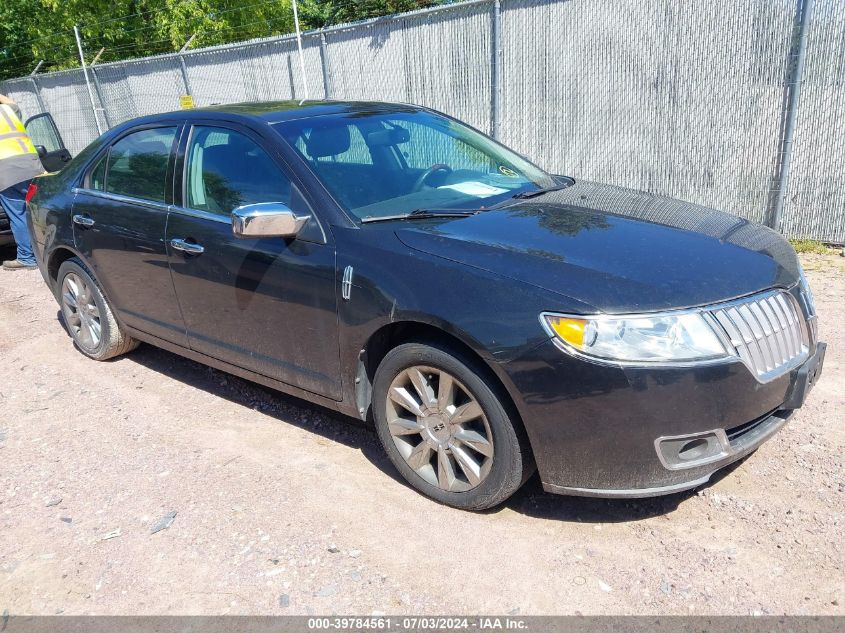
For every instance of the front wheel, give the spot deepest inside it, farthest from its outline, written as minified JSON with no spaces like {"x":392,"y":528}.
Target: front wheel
{"x":446,"y":430}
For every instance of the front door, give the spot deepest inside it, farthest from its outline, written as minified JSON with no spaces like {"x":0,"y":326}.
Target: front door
{"x":119,"y":218}
{"x":267,"y":305}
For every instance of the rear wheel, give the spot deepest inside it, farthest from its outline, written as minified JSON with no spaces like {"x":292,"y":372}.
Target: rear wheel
{"x":446,"y":430}
{"x":88,"y":316}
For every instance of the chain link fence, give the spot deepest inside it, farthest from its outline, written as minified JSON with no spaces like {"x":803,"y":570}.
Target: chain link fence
{"x":814,"y":204}
{"x":685,"y":99}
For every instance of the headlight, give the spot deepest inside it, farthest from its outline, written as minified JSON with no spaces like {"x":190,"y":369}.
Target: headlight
{"x":659,"y":338}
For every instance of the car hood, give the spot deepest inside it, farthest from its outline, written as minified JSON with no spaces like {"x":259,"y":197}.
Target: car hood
{"x":615,"y":249}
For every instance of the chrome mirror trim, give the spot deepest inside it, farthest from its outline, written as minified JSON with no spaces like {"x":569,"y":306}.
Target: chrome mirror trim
{"x":267,"y":219}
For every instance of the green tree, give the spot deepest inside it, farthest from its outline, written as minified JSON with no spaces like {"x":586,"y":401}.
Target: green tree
{"x":31,"y":30}
{"x":16,"y":49}
{"x":43,"y":29}
{"x":317,"y":14}
{"x":224,"y":21}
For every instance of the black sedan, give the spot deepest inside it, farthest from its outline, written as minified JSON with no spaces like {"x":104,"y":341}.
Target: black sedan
{"x":392,"y":263}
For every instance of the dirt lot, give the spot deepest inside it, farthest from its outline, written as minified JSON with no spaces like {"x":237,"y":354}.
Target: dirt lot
{"x":285,"y":508}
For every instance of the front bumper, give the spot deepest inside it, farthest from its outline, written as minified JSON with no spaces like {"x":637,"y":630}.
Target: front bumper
{"x":604,"y":431}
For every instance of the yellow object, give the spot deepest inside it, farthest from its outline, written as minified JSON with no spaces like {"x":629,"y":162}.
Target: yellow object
{"x":14,"y":141}
{"x":186,"y":102}
{"x":568,"y":329}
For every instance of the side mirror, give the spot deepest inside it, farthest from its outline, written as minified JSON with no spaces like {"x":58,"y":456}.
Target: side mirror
{"x":42,"y":151}
{"x":267,"y":219}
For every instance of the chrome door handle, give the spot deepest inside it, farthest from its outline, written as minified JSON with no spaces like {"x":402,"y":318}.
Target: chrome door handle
{"x":83,"y":220}
{"x":187,"y":247}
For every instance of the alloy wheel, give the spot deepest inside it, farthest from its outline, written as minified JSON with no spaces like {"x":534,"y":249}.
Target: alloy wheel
{"x":439,"y":428}
{"x":81,"y":312}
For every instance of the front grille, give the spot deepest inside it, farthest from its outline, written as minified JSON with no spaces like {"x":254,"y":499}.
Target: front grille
{"x":767,"y":332}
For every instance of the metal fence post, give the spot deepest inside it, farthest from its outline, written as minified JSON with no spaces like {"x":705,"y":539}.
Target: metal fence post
{"x":183,"y":67}
{"x":87,"y":83}
{"x":496,"y":71}
{"x":99,"y":90}
{"x":795,"y":72}
{"x":299,"y":46}
{"x":324,"y":62}
{"x":36,"y":87}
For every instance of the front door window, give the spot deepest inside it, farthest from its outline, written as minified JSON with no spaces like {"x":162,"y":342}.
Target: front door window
{"x":227,"y":170}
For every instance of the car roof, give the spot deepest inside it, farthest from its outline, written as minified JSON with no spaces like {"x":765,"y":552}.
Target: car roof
{"x":278,"y":111}
{"x":275,"y":111}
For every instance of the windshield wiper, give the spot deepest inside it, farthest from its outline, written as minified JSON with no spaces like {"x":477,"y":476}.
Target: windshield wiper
{"x":539,"y":192}
{"x":422,"y":214}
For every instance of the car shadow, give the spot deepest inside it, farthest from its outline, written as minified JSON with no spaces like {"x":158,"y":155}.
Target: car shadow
{"x":531,"y":500}
{"x":322,"y":421}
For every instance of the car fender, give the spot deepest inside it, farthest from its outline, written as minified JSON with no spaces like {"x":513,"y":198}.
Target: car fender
{"x":391,"y":284}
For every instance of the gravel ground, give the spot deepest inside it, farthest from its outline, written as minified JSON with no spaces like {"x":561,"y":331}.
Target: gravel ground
{"x":285,"y":508}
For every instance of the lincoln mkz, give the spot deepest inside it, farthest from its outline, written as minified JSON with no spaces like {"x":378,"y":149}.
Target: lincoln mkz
{"x":394,"y":264}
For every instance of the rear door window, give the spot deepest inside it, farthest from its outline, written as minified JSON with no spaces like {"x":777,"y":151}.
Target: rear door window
{"x":137,"y":164}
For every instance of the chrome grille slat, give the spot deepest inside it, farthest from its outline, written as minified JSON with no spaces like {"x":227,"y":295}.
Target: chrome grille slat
{"x":735,"y":336}
{"x":795,"y":320}
{"x":772,"y":322}
{"x":754,"y":351}
{"x":790,"y":330}
{"x":768,"y":332}
{"x":763,"y":335}
{"x":783,"y":332}
{"x":748,"y":319}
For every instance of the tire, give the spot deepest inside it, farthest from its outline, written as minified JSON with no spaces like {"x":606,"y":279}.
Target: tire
{"x":87,"y":314}
{"x":471,"y":463}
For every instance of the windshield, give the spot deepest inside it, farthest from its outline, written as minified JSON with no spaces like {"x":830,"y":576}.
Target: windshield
{"x":378,"y":164}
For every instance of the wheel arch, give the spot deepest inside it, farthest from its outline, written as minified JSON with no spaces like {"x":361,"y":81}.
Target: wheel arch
{"x":55,"y":259}
{"x":391,"y":335}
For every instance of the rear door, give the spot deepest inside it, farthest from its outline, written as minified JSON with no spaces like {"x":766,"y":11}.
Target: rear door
{"x":45,"y":136}
{"x":267,"y":305}
{"x":119,"y":218}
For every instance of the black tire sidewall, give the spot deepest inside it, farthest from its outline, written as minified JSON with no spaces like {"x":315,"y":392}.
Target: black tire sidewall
{"x":73,"y":265}
{"x":506,"y":473}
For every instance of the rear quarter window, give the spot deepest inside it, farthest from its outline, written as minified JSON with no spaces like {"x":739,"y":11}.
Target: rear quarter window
{"x":97,"y":175}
